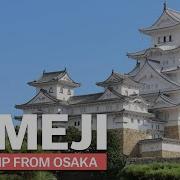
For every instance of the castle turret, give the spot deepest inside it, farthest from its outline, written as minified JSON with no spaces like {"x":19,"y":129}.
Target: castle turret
{"x":57,"y":84}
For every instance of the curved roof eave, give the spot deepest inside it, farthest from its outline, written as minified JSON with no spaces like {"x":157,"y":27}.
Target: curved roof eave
{"x":170,"y":13}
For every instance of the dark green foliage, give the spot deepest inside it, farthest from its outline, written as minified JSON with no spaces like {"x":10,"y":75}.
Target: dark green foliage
{"x":28,"y":175}
{"x":156,"y":171}
{"x":116,"y":160}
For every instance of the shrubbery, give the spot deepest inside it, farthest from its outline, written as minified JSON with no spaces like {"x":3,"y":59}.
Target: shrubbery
{"x":156,"y":171}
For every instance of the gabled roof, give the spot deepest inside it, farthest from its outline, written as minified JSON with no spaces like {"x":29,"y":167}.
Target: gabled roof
{"x":84,"y":98}
{"x":168,"y":19}
{"x":117,"y":78}
{"x":54,"y":77}
{"x":95,"y":98}
{"x":134,"y":71}
{"x":147,"y":52}
{"x":43,"y":97}
{"x":162,"y":101}
{"x":157,"y":69}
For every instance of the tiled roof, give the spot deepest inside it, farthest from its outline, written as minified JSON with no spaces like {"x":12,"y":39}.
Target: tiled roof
{"x":46,"y":94}
{"x":169,"y":103}
{"x":50,"y":77}
{"x":135,"y":70}
{"x":157,"y":68}
{"x":172,"y":14}
{"x":115,"y":78}
{"x":144,"y":53}
{"x":84,"y":98}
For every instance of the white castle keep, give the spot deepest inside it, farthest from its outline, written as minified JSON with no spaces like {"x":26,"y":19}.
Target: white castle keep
{"x":142,"y":106}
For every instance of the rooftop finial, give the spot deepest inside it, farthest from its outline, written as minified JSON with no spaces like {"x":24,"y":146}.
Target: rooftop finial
{"x":112,"y":71}
{"x":44,"y":71}
{"x":165,"y":5}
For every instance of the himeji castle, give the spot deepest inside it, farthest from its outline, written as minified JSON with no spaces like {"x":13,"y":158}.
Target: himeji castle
{"x":142,"y":106}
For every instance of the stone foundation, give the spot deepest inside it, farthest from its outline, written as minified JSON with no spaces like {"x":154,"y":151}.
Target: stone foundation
{"x":172,"y":132}
{"x":168,"y":154}
{"x":160,"y":148}
{"x":151,"y":154}
{"x":161,"y":154}
{"x":128,"y":139}
{"x":131,"y":138}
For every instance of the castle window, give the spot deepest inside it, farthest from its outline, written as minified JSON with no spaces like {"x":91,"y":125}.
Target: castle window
{"x":83,"y":110}
{"x":159,"y":40}
{"x":132,"y":120}
{"x":126,"y":92}
{"x":50,"y":90}
{"x":75,"y":123}
{"x":78,"y":123}
{"x":164,"y":39}
{"x":170,"y":38}
{"x":69,"y":92}
{"x":61,"y":90}
{"x":157,"y":126}
{"x":138,"y":121}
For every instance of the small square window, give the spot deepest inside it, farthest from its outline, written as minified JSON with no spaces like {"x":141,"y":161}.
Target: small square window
{"x":69,"y":92}
{"x":50,"y":90}
{"x":170,"y":38}
{"x":164,"y":39}
{"x":61,"y":90}
{"x":132,"y":120}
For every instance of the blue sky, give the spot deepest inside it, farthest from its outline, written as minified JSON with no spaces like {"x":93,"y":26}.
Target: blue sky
{"x":90,"y":38}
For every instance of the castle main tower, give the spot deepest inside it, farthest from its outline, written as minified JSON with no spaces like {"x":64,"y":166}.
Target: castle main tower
{"x":158,"y":68}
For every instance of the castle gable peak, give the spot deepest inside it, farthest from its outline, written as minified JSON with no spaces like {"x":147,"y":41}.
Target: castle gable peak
{"x":169,"y":18}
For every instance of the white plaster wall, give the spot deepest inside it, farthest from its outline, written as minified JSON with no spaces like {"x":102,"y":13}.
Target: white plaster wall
{"x":137,"y":107}
{"x":96,"y":108}
{"x":65,"y":94}
{"x":171,"y":147}
{"x":175,"y":38}
{"x":56,"y":91}
{"x":127,"y":91}
{"x":151,"y":146}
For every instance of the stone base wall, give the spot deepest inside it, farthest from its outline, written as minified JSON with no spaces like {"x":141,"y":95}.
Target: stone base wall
{"x":160,"y":154}
{"x":172,"y":132}
{"x":169,"y":154}
{"x":128,"y":140}
{"x":131,"y":138}
{"x":151,"y":154}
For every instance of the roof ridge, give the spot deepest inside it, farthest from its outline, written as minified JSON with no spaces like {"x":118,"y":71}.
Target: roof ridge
{"x":116,"y":93}
{"x":170,"y":11}
{"x":48,"y":95}
{"x":54,"y":72}
{"x":163,"y":75}
{"x":134,"y":69}
{"x":167,"y":99}
{"x":88,"y":94}
{"x":173,"y":10}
